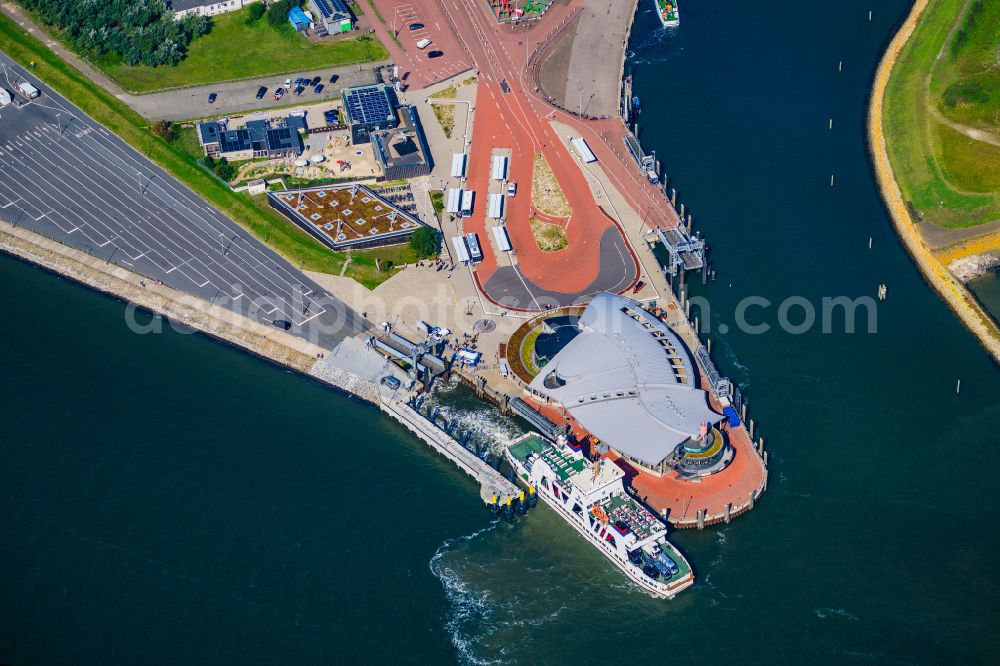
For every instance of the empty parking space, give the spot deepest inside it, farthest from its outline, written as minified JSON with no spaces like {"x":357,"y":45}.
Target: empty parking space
{"x":66,"y":177}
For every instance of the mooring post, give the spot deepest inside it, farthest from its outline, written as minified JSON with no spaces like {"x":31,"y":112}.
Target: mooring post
{"x":751,"y":499}
{"x":729,"y":508}
{"x":751,"y":429}
{"x":701,"y":519}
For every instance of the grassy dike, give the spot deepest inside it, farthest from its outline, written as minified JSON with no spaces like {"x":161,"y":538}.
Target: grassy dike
{"x":252,"y":213}
{"x":946,"y":177}
{"x":954,"y":293}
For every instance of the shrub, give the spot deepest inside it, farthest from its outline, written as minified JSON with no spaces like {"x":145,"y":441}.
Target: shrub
{"x":424,"y":242}
{"x":164,"y":129}
{"x":255,"y":12}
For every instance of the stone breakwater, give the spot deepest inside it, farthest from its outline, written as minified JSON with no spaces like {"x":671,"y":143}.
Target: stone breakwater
{"x":971,"y":267}
{"x":950,"y":288}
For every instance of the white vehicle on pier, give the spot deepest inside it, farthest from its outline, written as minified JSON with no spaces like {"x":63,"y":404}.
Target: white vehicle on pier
{"x":592,"y":498}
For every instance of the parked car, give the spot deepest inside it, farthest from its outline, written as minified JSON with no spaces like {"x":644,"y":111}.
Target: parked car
{"x":423,"y":43}
{"x":315,"y":81}
{"x":279,"y":93}
{"x":299,"y":81}
{"x":435,"y":54}
{"x":319,"y":88}
{"x":331,"y":118}
{"x":511,"y":189}
{"x":261,"y":92}
{"x":416,"y":26}
{"x":298,"y":91}
{"x":333,"y":78}
{"x":212,"y":97}
{"x":282,"y":324}
{"x":288,"y":83}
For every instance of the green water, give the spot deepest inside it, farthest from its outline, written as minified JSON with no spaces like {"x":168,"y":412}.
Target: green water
{"x":165,"y":499}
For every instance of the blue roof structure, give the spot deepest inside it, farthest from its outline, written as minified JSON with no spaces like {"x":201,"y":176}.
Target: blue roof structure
{"x":734,"y":418}
{"x":298,"y":18}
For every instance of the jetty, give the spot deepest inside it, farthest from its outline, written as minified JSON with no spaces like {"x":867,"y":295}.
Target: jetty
{"x":355,"y":367}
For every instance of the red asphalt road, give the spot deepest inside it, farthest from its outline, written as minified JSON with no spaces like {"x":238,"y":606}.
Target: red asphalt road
{"x":519,"y":120}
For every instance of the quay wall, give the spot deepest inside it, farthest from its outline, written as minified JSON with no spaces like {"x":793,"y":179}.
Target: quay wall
{"x":223,"y":324}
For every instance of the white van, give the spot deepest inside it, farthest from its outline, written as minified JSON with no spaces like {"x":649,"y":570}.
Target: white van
{"x":423,"y":43}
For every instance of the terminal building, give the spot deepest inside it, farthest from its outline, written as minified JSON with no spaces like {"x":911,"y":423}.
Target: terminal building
{"x":629,"y":381}
{"x":258,"y":138}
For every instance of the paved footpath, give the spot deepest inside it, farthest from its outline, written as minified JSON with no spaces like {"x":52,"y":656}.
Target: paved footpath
{"x":192,"y":102}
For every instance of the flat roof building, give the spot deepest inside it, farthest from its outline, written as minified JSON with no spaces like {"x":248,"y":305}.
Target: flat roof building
{"x":369,"y":108}
{"x":628,"y":380}
{"x":258,"y":138}
{"x":182,"y":8}
{"x":402,"y":151}
{"x":345,"y":216}
{"x":334,"y":16}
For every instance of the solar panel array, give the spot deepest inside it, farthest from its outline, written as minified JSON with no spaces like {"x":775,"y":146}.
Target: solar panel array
{"x":327,"y":7}
{"x":368,"y":105}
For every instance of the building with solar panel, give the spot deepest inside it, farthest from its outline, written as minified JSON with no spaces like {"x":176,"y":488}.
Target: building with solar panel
{"x":258,"y":138}
{"x":368,"y":109}
{"x":334,"y":16}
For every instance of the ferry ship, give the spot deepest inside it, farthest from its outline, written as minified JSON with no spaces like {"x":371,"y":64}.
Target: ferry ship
{"x":592,"y":498}
{"x":670,"y":15}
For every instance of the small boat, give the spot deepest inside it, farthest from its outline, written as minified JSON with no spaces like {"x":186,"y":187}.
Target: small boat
{"x":670,"y":15}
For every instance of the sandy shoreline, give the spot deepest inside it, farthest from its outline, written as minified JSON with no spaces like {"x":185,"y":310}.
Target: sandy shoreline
{"x":950,"y":288}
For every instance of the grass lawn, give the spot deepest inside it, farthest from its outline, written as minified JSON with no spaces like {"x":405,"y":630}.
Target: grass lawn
{"x":437,"y":200}
{"x":548,"y":237}
{"x":252,"y":213}
{"x":445,"y":114}
{"x":545,"y":191}
{"x":234,"y":50}
{"x":946,"y":177}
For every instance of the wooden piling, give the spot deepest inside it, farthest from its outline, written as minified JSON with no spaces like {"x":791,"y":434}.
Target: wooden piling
{"x":729,"y":509}
{"x":701,"y":519}
{"x":751,"y":429}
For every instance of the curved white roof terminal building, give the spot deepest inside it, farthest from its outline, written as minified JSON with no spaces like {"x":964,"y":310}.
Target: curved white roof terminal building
{"x":628,"y":380}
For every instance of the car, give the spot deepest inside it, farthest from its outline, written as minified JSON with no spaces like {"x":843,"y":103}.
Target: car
{"x":416,"y":26}
{"x":298,"y":91}
{"x":392,"y":382}
{"x":511,"y":189}
{"x":261,"y":92}
{"x":435,"y":54}
{"x":315,"y":81}
{"x":299,"y":81}
{"x":423,"y":43}
{"x":282,"y":324}
{"x":288,"y":83}
{"x":279,"y":93}
{"x":333,"y":78}
{"x":318,"y":89}
{"x":212,"y":97}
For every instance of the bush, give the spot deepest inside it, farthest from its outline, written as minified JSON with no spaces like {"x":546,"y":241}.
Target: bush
{"x":277,"y":13}
{"x":146,"y":33}
{"x":164,"y":129}
{"x":255,"y":12}
{"x":424,"y":242}
{"x":224,"y":170}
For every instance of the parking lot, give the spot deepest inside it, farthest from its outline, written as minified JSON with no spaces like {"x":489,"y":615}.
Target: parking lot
{"x":68,"y":178}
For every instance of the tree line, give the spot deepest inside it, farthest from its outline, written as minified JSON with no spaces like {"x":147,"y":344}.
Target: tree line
{"x":137,"y":32}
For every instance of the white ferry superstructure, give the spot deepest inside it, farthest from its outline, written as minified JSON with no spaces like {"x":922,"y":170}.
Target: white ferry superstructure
{"x":669,"y":13}
{"x":592,"y":498}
